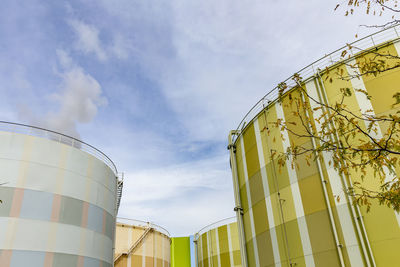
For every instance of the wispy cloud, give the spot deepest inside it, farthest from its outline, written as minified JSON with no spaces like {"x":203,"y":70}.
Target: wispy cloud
{"x":198,"y":192}
{"x":121,"y":47}
{"x":87,"y":39}
{"x":230,"y":53}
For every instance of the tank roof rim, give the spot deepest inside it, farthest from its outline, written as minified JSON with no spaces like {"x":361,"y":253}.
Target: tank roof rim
{"x":110,"y":163}
{"x":243,"y":124}
{"x":157,"y":227}
{"x":217,"y":224}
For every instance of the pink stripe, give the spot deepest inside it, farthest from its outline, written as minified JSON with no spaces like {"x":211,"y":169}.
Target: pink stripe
{"x":104,"y":222}
{"x":5,"y":258}
{"x":55,"y":211}
{"x":80,"y":261}
{"x":85,"y":211}
{"x":17,"y":202}
{"x":48,"y":259}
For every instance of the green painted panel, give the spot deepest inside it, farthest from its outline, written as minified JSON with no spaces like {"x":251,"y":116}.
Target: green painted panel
{"x":180,"y":252}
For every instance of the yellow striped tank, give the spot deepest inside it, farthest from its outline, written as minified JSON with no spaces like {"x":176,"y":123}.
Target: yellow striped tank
{"x":217,"y":245}
{"x":291,"y":216}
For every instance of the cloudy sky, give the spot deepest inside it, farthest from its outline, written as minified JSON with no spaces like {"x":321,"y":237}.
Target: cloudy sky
{"x":157,"y":85}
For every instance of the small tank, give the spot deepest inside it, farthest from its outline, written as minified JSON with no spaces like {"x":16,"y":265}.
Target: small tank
{"x":217,"y":245}
{"x":141,"y":244}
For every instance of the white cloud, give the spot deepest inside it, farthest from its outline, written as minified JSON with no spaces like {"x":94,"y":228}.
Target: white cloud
{"x":183,"y":198}
{"x":87,"y":39}
{"x":230,"y":53}
{"x":121,"y":47}
{"x":158,"y":184}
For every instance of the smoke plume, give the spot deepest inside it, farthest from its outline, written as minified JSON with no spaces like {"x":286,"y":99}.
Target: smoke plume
{"x":78,"y":100}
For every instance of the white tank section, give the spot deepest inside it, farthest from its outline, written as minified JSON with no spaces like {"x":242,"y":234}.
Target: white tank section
{"x":59,"y":197}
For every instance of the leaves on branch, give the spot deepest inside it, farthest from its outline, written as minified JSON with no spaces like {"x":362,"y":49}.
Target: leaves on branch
{"x":396,"y":96}
{"x":353,"y":140}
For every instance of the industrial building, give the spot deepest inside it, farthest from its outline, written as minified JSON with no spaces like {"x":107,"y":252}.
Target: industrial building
{"x":292,"y":216}
{"x":180,"y":251}
{"x":60,"y":198}
{"x":141,"y":244}
{"x":217,"y":245}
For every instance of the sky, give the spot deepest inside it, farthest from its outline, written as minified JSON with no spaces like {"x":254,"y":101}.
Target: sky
{"x":158,"y":85}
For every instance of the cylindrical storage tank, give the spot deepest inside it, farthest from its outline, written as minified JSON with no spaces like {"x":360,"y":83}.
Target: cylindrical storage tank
{"x":59,"y":200}
{"x":293,"y":216}
{"x":217,"y":245}
{"x":141,"y":244}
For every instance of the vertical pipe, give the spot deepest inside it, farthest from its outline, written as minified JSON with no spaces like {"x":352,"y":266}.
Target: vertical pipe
{"x":115,"y":219}
{"x":195,"y":240}
{"x":361,"y":232}
{"x":238,"y":206}
{"x":328,"y":204}
{"x":360,"y":217}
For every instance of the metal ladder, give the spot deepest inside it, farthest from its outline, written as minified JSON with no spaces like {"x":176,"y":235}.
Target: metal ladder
{"x":136,"y":244}
{"x":120,"y":185}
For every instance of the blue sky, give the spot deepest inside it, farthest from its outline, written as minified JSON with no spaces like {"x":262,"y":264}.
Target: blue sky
{"x":157,"y":85}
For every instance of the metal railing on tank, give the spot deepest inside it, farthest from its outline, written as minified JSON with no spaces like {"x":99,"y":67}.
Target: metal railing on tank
{"x":143,"y":224}
{"x":58,"y":137}
{"x":365,"y":43}
{"x":215,"y":225}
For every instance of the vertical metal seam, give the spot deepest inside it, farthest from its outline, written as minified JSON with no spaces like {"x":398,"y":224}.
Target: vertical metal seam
{"x":326,"y":197}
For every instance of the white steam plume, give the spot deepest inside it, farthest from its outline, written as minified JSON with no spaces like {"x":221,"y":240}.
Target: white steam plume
{"x":78,"y":100}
